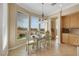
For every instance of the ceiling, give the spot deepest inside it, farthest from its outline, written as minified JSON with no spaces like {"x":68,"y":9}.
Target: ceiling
{"x":48,"y":8}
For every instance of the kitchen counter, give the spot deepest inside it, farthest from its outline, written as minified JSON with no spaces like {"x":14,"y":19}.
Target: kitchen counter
{"x":70,"y":38}
{"x":72,"y":33}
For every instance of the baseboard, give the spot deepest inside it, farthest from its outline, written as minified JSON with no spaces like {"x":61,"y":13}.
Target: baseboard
{"x":16,"y":46}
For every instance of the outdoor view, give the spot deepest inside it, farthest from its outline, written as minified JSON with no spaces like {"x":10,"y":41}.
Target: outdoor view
{"x":23,"y":26}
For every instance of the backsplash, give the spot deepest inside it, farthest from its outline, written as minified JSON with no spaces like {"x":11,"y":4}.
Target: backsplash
{"x":75,"y":31}
{"x":65,"y":30}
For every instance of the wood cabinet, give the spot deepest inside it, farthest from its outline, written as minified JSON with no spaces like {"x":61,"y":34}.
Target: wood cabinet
{"x":78,"y":20}
{"x":70,"y":38}
{"x":66,"y":21}
{"x":70,"y":21}
{"x":65,"y":38}
{"x":74,"y":21}
{"x":73,"y":39}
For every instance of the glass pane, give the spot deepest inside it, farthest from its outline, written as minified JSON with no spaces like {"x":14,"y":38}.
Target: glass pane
{"x":42,"y":27}
{"x":34,"y":24}
{"x":22,"y":26}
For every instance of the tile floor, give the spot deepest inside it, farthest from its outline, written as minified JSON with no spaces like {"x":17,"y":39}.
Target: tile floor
{"x":61,"y":50}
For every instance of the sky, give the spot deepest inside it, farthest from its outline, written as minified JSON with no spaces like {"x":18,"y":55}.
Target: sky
{"x":34,"y":22}
{"x":23,"y":21}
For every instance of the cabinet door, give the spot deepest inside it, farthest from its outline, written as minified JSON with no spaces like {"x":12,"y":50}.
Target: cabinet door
{"x":66,"y":22}
{"x":78,"y":40}
{"x":73,"y":21}
{"x":73,"y":39}
{"x":78,"y":19}
{"x":65,"y":38}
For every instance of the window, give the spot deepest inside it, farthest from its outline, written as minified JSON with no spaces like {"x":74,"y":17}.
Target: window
{"x":34,"y":24}
{"x":22,"y":26}
{"x":22,"y":20}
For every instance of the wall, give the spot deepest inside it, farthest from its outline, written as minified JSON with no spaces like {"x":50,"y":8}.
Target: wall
{"x":12,"y":26}
{"x":70,"y":10}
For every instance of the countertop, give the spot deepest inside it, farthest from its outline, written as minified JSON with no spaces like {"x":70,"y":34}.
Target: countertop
{"x":72,"y":33}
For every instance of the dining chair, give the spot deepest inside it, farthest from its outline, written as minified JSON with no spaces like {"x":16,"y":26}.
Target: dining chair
{"x":31,"y":45}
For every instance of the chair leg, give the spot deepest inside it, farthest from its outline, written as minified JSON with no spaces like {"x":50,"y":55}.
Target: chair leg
{"x":27,"y":49}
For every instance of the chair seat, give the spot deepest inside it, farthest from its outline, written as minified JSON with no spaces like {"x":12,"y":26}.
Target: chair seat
{"x":30,"y":42}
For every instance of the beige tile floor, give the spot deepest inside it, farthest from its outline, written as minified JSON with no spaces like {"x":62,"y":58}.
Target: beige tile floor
{"x":61,"y":50}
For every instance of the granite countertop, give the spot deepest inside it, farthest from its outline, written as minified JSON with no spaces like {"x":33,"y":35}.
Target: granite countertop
{"x":72,"y":33}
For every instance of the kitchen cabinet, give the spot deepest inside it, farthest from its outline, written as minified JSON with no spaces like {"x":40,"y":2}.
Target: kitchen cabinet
{"x":78,"y":20}
{"x":70,"y":38}
{"x":70,"y":21}
{"x":73,"y":39}
{"x":66,"y":22}
{"x":65,"y":37}
{"x":74,"y":21}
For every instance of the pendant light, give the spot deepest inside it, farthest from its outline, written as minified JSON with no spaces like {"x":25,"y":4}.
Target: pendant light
{"x":43,"y":17}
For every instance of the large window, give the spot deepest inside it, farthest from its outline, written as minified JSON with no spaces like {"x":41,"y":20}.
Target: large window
{"x":42,"y":25}
{"x":22,"y":21}
{"x":22,"y":25}
{"x":34,"y":24}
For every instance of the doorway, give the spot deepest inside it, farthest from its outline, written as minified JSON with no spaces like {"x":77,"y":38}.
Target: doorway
{"x":53,"y":28}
